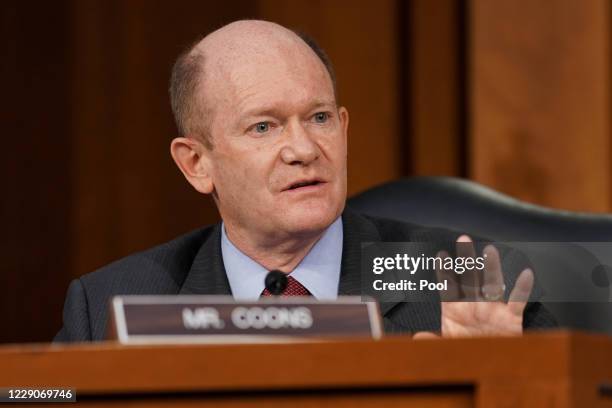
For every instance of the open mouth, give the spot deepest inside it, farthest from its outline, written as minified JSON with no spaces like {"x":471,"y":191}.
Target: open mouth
{"x":303,"y":184}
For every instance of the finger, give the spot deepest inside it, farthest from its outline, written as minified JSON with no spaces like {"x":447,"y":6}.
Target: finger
{"x":425,"y":335}
{"x":470,"y":284}
{"x":452,"y":293}
{"x":466,"y":247}
{"x":493,"y":277}
{"x":521,"y":291}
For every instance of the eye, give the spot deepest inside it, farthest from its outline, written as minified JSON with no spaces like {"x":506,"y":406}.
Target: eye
{"x":262,"y":127}
{"x":321,"y":117}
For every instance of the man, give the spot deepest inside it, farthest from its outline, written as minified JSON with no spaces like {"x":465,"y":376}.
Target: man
{"x":262,"y":132}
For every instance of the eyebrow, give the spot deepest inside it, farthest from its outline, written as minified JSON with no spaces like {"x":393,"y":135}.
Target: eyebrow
{"x":273,"y":110}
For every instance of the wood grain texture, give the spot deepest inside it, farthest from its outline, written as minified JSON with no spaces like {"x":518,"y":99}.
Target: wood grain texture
{"x":309,"y":399}
{"x":525,"y":371}
{"x":435,"y":103}
{"x":540,"y":102}
{"x":35,"y":167}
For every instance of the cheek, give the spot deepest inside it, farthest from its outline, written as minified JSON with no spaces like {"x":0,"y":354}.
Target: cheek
{"x":334,"y":146}
{"x":241,"y":171}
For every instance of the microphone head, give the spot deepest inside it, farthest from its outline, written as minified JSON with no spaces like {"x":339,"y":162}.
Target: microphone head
{"x":276,"y":282}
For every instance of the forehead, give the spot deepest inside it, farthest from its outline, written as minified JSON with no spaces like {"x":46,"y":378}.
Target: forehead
{"x":279,"y":74}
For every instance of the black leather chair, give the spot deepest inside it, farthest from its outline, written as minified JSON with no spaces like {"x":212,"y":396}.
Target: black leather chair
{"x":466,"y":206}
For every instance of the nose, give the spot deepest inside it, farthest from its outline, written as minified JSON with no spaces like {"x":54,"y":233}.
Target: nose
{"x":299,"y":149}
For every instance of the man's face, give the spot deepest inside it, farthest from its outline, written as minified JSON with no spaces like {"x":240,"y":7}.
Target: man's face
{"x":278,"y":164}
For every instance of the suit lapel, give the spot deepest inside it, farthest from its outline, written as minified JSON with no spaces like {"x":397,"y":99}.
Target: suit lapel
{"x":207,"y":274}
{"x":356,"y":230}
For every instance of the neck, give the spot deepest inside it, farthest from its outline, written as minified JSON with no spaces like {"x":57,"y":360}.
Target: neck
{"x":278,"y":253}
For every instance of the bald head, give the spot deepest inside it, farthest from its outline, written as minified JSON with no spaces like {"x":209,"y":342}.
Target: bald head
{"x":203,"y":74}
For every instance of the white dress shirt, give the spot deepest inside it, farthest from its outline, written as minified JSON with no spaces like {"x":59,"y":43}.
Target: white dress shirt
{"x":319,"y":271}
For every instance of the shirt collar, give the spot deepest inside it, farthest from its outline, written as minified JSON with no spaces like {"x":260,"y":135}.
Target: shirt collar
{"x":319,"y":271}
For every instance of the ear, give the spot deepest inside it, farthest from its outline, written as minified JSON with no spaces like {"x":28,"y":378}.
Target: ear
{"x":194,"y":161}
{"x":344,"y":121}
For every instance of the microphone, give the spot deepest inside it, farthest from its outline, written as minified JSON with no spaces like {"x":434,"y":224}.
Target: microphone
{"x":276,"y":282}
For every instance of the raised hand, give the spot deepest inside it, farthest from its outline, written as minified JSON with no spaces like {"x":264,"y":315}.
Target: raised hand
{"x":486,"y":313}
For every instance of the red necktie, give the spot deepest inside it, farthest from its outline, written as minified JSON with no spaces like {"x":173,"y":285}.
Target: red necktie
{"x":294,"y":288}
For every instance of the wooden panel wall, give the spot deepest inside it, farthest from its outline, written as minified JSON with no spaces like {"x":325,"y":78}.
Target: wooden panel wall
{"x":540,"y":100}
{"x":35,"y":168}
{"x":434,"y":78}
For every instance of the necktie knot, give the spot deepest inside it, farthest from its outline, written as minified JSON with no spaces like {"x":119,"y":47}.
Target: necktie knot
{"x":294,"y":288}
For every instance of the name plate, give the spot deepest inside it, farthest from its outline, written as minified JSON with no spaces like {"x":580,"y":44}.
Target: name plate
{"x":221,"y":319}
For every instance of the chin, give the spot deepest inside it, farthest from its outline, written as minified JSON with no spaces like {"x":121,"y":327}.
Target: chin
{"x":311,"y":219}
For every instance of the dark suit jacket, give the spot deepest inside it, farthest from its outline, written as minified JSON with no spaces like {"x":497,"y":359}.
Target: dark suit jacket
{"x":192,"y":264}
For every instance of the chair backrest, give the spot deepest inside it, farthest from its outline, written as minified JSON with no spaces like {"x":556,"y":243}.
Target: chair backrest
{"x":466,"y":206}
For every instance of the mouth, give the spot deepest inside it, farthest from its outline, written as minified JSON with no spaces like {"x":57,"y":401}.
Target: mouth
{"x":304,"y":185}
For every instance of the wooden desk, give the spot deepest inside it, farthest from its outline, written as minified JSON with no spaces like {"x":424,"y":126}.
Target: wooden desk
{"x":555,"y":369}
